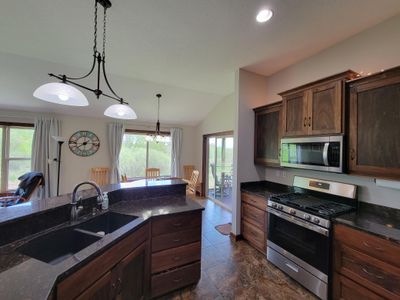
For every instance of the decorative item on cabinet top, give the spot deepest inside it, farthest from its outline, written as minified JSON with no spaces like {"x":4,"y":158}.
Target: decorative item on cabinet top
{"x":84,"y":143}
{"x":316,"y":108}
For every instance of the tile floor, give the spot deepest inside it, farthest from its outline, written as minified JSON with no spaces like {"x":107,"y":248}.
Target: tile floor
{"x":235,"y":270}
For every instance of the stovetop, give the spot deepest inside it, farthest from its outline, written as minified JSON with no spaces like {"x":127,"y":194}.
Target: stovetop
{"x":312,"y":204}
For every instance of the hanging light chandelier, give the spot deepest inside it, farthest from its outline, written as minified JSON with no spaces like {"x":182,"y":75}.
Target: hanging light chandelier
{"x":158,"y":136}
{"x":64,"y":93}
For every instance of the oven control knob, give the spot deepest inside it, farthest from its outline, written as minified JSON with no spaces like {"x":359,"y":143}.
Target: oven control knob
{"x":274,"y":205}
{"x":307,"y":217}
{"x":292,"y":211}
{"x":280,"y":207}
{"x":316,"y":220}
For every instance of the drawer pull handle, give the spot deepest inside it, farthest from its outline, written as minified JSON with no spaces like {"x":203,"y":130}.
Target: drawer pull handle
{"x":371,"y":274}
{"x":309,"y":121}
{"x":305,"y":122}
{"x":293,"y":268}
{"x":176,"y":258}
{"x":369,"y":246}
{"x":176,"y":240}
{"x":177,"y":224}
{"x":177,"y":280}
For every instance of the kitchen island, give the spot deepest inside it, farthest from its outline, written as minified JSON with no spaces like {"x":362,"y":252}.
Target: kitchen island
{"x":161,"y":245}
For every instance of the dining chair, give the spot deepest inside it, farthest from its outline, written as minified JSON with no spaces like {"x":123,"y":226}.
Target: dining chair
{"x":100,"y":175}
{"x":152,"y":172}
{"x":187,"y":172}
{"x":191,"y":187}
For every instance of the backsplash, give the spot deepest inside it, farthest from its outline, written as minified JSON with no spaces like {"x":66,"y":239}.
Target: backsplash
{"x":367,"y":190}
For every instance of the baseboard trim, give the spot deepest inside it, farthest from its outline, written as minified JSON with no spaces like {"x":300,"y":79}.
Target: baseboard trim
{"x":235,"y":237}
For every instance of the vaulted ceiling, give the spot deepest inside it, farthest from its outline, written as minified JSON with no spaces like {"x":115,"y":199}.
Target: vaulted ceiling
{"x":189,"y":48}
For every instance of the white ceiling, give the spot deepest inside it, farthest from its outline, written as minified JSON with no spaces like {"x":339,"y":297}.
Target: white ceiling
{"x":193,"y":45}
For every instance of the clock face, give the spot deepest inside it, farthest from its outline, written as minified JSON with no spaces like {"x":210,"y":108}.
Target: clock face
{"x":84,"y":143}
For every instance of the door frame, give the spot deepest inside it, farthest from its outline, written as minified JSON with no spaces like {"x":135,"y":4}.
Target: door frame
{"x":204,"y":156}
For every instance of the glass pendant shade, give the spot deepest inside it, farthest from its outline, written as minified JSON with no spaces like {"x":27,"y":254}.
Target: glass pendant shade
{"x":120,"y":111}
{"x":61,"y":93}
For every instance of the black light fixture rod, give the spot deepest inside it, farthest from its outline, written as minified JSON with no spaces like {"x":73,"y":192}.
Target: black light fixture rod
{"x":104,"y":3}
{"x":61,"y":77}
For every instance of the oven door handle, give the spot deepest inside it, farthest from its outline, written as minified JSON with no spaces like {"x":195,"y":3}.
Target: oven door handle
{"x":325,"y":154}
{"x":299,"y":222}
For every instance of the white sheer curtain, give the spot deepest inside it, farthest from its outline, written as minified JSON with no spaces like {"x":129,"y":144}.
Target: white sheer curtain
{"x":176,"y":150}
{"x":115,"y":136}
{"x":44,"y":150}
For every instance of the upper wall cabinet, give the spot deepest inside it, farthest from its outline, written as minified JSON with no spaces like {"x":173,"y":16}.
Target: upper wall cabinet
{"x":316,"y":108}
{"x":374,"y":125}
{"x":267,"y":134}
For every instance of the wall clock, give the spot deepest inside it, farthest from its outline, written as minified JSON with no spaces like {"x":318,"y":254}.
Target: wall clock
{"x":84,"y":143}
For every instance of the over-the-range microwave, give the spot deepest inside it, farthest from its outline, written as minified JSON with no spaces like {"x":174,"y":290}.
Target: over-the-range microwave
{"x":322,"y":153}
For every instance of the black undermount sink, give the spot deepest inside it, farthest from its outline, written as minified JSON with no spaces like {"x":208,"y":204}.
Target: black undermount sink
{"x":61,"y":244}
{"x":57,"y":246}
{"x":106,"y":223}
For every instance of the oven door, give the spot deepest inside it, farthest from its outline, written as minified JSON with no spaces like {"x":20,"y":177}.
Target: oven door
{"x":305,"y":241}
{"x":316,"y":153}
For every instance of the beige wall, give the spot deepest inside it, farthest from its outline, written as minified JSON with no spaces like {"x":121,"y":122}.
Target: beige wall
{"x":370,"y":51}
{"x":221,"y":118}
{"x":75,"y":168}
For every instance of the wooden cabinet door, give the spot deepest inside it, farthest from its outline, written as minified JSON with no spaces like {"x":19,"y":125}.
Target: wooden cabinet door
{"x":374,"y":137}
{"x":295,"y":114}
{"x":100,"y":290}
{"x":129,"y":275}
{"x":346,"y":289}
{"x":267,"y":135}
{"x":325,"y":109}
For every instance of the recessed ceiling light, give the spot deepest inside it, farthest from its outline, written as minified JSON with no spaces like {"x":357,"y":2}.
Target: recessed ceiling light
{"x":264,"y":15}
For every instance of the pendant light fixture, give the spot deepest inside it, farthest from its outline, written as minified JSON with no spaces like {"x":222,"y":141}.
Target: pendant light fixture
{"x":158,"y":136}
{"x":64,"y":93}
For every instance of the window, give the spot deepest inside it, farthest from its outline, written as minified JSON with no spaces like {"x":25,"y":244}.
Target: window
{"x":16,"y":151}
{"x":139,"y":153}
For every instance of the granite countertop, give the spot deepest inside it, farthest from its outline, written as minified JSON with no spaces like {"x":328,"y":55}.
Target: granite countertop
{"x":23,"y":277}
{"x":264,"y":188}
{"x":38,"y":206}
{"x":378,"y":220}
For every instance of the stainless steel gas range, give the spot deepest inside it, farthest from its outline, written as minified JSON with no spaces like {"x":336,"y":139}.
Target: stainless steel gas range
{"x":299,"y":229}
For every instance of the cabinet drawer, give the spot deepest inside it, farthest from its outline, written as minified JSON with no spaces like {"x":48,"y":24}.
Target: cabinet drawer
{"x":254,"y":236}
{"x":254,"y":215}
{"x":167,"y":282}
{"x":374,"y":246}
{"x":372,"y":273}
{"x":175,"y":239}
{"x":346,"y":289}
{"x":179,"y":222}
{"x":175,"y":257}
{"x":256,"y":201}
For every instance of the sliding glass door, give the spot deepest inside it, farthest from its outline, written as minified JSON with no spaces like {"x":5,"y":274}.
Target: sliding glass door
{"x":219,"y":169}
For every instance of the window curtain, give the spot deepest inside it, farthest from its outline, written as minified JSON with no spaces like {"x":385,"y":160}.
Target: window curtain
{"x":44,"y":150}
{"x":115,"y":136}
{"x":176,"y":151}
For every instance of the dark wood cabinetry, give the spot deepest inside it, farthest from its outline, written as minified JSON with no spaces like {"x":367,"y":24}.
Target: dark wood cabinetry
{"x":254,"y":221}
{"x":316,"y":108}
{"x":267,"y":134}
{"x":120,"y":273}
{"x":176,"y":252}
{"x":374,"y":127}
{"x":365,"y":265}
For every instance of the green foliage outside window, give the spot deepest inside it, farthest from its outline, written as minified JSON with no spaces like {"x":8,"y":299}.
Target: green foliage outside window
{"x":137,"y":154}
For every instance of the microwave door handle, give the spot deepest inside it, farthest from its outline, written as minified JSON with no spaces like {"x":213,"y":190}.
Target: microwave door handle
{"x":325,"y":154}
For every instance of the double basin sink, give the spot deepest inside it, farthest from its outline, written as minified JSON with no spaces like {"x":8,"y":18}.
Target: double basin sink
{"x":57,"y":246}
